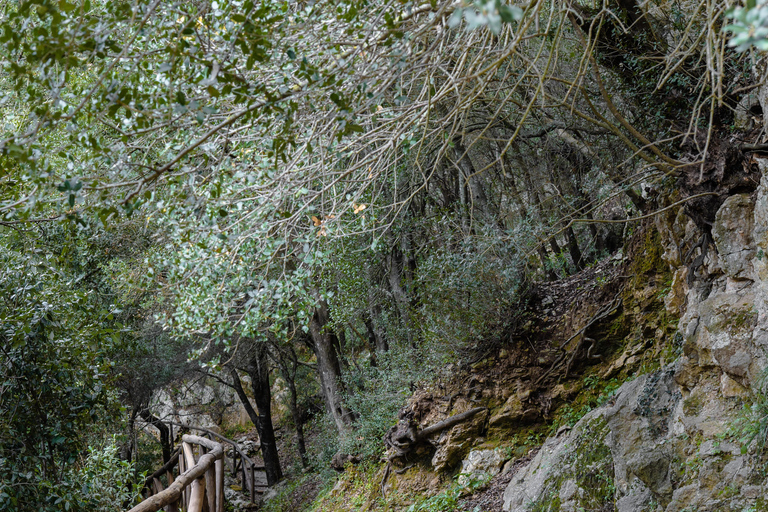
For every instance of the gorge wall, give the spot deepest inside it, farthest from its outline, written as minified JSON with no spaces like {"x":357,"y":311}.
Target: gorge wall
{"x":670,"y":440}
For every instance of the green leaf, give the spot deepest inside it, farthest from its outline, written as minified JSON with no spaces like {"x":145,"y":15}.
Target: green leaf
{"x":510,"y":13}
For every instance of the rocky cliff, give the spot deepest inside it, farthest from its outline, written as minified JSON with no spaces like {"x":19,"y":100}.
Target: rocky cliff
{"x":642,"y":376}
{"x":683,"y":437}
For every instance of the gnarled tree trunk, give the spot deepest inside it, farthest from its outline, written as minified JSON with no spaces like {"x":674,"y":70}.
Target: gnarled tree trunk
{"x":257,"y":368}
{"x":325,"y":345}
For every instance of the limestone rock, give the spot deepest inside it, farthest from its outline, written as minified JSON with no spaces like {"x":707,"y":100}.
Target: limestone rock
{"x":675,"y":300}
{"x":637,"y":454}
{"x":732,"y":234}
{"x":576,"y":466}
{"x":513,"y":411}
{"x":659,"y":443}
{"x":732,"y":389}
{"x":724,"y":333}
{"x":479,"y":465}
{"x":454,"y":444}
{"x":760,"y":237}
{"x":341,"y":459}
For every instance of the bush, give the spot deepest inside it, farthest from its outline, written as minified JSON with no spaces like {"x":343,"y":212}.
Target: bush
{"x":56,"y":385}
{"x":468,"y":290}
{"x":105,"y":480}
{"x":379,"y":392}
{"x":752,"y":425}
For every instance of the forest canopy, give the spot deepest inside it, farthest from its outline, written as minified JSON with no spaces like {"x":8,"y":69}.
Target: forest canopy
{"x":348,"y":194}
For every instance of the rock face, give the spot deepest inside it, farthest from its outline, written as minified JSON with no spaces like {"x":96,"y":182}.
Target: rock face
{"x":454,"y":443}
{"x":663,"y":442}
{"x":200,"y":404}
{"x":480,"y":465}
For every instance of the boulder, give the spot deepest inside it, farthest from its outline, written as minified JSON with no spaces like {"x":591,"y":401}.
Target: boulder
{"x":724,"y":333}
{"x":732,"y":234}
{"x":480,"y":465}
{"x":513,"y":411}
{"x":650,"y":449}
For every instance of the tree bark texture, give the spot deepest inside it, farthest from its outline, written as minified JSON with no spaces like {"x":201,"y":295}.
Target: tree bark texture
{"x":325,"y":344}
{"x":258,"y":369}
{"x":165,"y":434}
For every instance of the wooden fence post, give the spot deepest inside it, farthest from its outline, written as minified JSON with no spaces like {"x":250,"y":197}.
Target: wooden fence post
{"x":219,"y":485}
{"x":172,"y":507}
{"x":242,"y":468}
{"x":253,"y":486}
{"x":197,"y":496}
{"x":189,"y":461}
{"x":210,"y":485}
{"x":182,"y":468}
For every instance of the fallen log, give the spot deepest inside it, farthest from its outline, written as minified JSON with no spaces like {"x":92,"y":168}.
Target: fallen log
{"x":447,"y":423}
{"x":405,"y":435}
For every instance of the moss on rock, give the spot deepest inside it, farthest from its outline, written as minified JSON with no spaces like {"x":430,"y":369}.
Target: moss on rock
{"x":587,"y":478}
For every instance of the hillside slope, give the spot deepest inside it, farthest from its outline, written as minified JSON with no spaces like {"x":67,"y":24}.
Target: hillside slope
{"x":644,"y":382}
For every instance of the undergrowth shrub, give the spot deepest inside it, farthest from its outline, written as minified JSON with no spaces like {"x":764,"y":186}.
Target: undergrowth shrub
{"x":468,"y":288}
{"x":322,"y":442}
{"x":104,"y":479}
{"x":752,"y":424}
{"x":377,"y":393}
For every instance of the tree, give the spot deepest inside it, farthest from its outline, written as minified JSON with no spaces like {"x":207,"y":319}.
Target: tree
{"x":55,"y":379}
{"x":255,"y":362}
{"x":463,"y":147}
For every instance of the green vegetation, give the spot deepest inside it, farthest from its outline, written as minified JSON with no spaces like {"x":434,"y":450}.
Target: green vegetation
{"x":590,"y":470}
{"x":446,"y":501}
{"x":751,"y":427}
{"x":321,"y":207}
{"x":595,"y":392}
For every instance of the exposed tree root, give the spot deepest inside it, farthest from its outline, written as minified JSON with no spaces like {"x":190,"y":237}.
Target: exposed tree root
{"x":404,"y":437}
{"x":568,"y":357}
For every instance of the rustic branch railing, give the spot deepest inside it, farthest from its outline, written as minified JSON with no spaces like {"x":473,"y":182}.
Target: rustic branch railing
{"x":199,"y":487}
{"x":244,"y":465}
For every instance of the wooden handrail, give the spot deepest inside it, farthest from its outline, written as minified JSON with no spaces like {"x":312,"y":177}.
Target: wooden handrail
{"x":248,"y":478}
{"x":193,"y":476}
{"x":189,"y":492}
{"x":222,"y":438}
{"x":166,"y":468}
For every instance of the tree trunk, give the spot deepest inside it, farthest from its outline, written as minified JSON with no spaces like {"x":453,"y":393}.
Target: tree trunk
{"x":573,"y":249}
{"x":165,"y":435}
{"x":288,"y":361}
{"x":258,"y":370}
{"x":545,"y":263}
{"x":395,"y":261}
{"x":244,"y":398}
{"x":263,"y":426}
{"x":474,"y":182}
{"x":297,"y":421}
{"x":523,"y":213}
{"x":373,"y":321}
{"x":324,"y":344}
{"x":376,"y":338}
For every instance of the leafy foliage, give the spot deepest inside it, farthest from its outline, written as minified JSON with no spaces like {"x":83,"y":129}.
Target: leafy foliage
{"x":750,"y":26}
{"x":55,"y":379}
{"x":751,"y":428}
{"x":410,"y":164}
{"x":378,"y":392}
{"x":104,"y":481}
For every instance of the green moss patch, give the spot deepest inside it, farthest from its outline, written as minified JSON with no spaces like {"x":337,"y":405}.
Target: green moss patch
{"x":586,"y":477}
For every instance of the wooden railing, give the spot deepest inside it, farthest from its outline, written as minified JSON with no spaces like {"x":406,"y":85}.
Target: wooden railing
{"x":206,"y":473}
{"x":199,"y":485}
{"x":251,"y":474}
